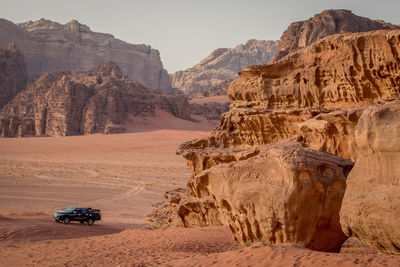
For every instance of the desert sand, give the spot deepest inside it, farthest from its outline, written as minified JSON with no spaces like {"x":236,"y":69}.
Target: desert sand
{"x":122,"y":175}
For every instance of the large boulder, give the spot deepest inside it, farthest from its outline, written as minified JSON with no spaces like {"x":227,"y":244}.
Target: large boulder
{"x":371,"y":205}
{"x":286,"y":193}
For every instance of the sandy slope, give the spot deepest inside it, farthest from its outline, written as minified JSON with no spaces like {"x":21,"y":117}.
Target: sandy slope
{"x":175,"y":247}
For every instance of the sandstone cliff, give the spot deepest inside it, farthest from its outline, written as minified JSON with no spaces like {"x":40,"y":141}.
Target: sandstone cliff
{"x":13,"y":74}
{"x":314,"y":97}
{"x":209,"y":76}
{"x":51,"y":47}
{"x":303,"y":33}
{"x":100,"y":100}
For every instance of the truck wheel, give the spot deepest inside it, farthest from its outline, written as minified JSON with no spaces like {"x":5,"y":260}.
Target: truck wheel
{"x":67,"y":220}
{"x":81,"y":221}
{"x":56,"y":220}
{"x":90,"y":222}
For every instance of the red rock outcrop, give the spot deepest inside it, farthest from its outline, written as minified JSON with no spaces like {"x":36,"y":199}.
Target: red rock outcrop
{"x":314,"y":96}
{"x":100,"y":100}
{"x":286,"y":193}
{"x":212,"y":75}
{"x":303,"y":33}
{"x":371,"y":205}
{"x":335,"y":71}
{"x":51,"y":47}
{"x":271,"y":102}
{"x":13,"y":74}
{"x":182,"y":210}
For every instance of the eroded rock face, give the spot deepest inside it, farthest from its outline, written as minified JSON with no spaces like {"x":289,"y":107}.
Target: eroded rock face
{"x":51,"y":47}
{"x":183,"y":210}
{"x":314,"y":96}
{"x":333,"y":72}
{"x":303,"y":33}
{"x":100,"y":100}
{"x":313,"y":93}
{"x":209,"y":110}
{"x":371,"y":205}
{"x":13,"y":74}
{"x":286,"y":193}
{"x":211,"y":74}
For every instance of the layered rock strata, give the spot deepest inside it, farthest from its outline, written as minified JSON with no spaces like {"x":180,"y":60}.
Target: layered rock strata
{"x":100,"y":100}
{"x":326,"y":84}
{"x":315,"y":96}
{"x":51,"y":47}
{"x":303,"y":33}
{"x":371,"y":205}
{"x":212,"y":75}
{"x":13,"y":74}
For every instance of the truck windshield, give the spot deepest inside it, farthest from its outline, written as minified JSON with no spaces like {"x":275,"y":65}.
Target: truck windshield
{"x":69,"y":209}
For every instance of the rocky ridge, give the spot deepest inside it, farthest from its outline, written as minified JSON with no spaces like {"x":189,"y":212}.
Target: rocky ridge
{"x":100,"y":100}
{"x":303,"y":33}
{"x":51,"y":47}
{"x":214,"y":73}
{"x":13,"y":74}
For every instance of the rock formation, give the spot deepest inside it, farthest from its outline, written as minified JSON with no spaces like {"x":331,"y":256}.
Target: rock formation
{"x":211,"y":74}
{"x":209,"y":110}
{"x":51,"y":47}
{"x":303,"y":33}
{"x":284,"y":194}
{"x":371,"y":205}
{"x":100,"y":100}
{"x":182,"y":210}
{"x":220,"y":89}
{"x":12,"y":73}
{"x":314,"y":97}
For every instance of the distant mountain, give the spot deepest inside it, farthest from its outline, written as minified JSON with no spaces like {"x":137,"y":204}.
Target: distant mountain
{"x":13,"y":74}
{"x":51,"y":47}
{"x":205,"y":78}
{"x":303,"y":33}
{"x":100,"y":100}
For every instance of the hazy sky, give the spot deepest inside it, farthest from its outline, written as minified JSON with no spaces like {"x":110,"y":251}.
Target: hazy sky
{"x":185,"y":31}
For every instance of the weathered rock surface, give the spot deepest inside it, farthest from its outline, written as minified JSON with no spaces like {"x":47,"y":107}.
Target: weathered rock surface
{"x":13,"y":74}
{"x":211,"y":74}
{"x":220,"y":89}
{"x":51,"y":47}
{"x":100,"y":100}
{"x":209,"y":110}
{"x":317,"y":92}
{"x":182,"y":210}
{"x":284,"y":194}
{"x":335,"y":71}
{"x":371,"y":205}
{"x":303,"y":33}
{"x":314,"y":96}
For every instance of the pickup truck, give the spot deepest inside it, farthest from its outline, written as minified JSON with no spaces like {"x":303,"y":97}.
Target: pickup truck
{"x":79,"y":214}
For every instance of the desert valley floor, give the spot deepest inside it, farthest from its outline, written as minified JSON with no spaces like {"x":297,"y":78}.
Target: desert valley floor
{"x":122,"y":175}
